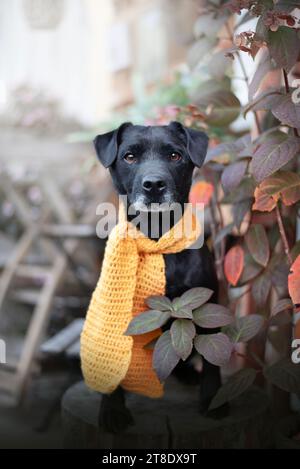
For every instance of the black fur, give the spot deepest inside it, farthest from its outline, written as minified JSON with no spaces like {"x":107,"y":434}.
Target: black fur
{"x":152,"y":175}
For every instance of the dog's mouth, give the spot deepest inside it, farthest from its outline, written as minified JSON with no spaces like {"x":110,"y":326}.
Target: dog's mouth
{"x":147,"y":204}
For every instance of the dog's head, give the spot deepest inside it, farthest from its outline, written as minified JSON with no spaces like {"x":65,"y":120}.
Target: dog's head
{"x":152,"y":164}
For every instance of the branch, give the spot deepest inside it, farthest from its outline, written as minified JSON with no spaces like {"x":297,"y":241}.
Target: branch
{"x":283,"y":235}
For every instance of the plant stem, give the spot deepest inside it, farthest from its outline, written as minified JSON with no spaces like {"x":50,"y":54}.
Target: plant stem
{"x":283,"y":235}
{"x":245,"y":77}
{"x":287,"y":89}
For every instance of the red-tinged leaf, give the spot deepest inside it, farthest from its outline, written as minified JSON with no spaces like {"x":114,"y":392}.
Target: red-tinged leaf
{"x":234,"y":264}
{"x":201,"y":192}
{"x":284,"y":184}
{"x":212,"y":315}
{"x":263,"y":201}
{"x":284,"y":47}
{"x":183,"y":332}
{"x":215,"y":348}
{"x":271,"y":156}
{"x":233,"y":174}
{"x":258,"y":244}
{"x":294,"y":281}
{"x":164,"y":356}
{"x":287,"y":111}
{"x":261,"y":288}
{"x":236,"y":385}
{"x":244,"y":328}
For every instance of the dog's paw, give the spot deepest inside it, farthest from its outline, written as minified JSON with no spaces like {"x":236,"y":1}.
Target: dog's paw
{"x":115,"y":420}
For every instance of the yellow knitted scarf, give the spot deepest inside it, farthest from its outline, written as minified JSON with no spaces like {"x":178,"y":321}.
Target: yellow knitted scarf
{"x":133,"y":269}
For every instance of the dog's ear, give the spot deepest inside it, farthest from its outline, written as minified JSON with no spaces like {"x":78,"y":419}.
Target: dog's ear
{"x":106,"y":145}
{"x":196,"y":141}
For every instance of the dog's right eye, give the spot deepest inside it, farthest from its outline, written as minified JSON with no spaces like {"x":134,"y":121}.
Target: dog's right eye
{"x":130,"y":158}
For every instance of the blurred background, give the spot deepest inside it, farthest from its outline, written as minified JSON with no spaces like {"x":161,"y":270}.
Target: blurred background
{"x":70,"y":69}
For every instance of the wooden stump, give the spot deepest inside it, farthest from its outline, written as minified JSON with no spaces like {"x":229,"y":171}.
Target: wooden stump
{"x":171,"y":422}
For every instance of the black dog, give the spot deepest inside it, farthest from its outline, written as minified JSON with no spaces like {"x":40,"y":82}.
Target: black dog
{"x":155,"y":165}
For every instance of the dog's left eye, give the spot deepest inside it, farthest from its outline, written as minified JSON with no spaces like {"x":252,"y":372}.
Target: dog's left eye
{"x":175,"y":156}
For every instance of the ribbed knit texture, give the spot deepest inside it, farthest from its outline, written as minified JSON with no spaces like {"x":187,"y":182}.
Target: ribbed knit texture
{"x":133,"y":269}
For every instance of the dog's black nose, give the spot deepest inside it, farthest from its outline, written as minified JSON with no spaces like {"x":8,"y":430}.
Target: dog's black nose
{"x":153,"y":184}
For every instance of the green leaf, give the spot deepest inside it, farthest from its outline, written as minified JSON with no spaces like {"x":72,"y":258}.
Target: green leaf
{"x":284,"y":47}
{"x":258,"y":244}
{"x":282,"y":305}
{"x":215,"y":348}
{"x":183,"y":332}
{"x":272,"y":155}
{"x":261,"y":288}
{"x":184,"y":312}
{"x":212,"y":315}
{"x":282,"y":318}
{"x":251,"y":269}
{"x":161,"y":303}
{"x":236,"y":385}
{"x":147,"y":321}
{"x":284,"y":374}
{"x":164,"y":356}
{"x":221,"y":105}
{"x":243,"y":329}
{"x":192,"y":298}
{"x":263,"y":67}
{"x":239,"y":211}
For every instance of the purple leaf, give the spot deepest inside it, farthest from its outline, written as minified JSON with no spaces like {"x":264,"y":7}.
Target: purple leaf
{"x":192,"y":298}
{"x":233,"y":174}
{"x":215,"y":348}
{"x":161,"y":303}
{"x":287,"y":112}
{"x":236,"y":385}
{"x":243,"y":329}
{"x":182,"y":333}
{"x":164,"y":356}
{"x":269,"y":157}
{"x":147,"y":322}
{"x":212,"y":315}
{"x":284,"y":47}
{"x":258,"y":244}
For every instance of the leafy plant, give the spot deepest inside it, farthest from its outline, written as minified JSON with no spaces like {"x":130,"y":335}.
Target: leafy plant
{"x":250,"y":185}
